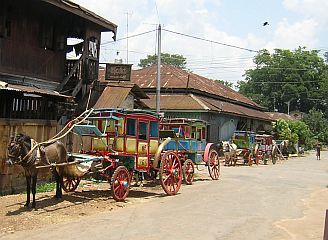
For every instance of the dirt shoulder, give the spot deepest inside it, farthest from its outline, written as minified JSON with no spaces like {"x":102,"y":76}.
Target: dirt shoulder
{"x":312,"y":222}
{"x":90,"y":198}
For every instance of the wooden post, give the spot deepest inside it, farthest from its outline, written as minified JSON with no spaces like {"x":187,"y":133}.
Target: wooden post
{"x":325,"y":233}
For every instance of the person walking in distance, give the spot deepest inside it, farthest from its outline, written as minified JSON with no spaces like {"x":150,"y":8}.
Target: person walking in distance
{"x":318,"y":148}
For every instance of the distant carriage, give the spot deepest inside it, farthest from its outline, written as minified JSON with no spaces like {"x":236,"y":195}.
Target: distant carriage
{"x":247,"y":149}
{"x":267,"y":150}
{"x":189,"y":142}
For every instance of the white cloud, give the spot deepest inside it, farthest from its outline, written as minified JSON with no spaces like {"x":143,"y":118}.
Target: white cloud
{"x":202,"y":18}
{"x":315,"y":9}
{"x":290,"y":36}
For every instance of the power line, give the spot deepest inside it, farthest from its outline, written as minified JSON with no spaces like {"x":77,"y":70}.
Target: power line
{"x":132,"y":36}
{"x":317,"y":81}
{"x":211,"y":41}
{"x":287,"y":68}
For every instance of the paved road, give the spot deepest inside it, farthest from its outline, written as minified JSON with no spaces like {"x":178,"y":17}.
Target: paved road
{"x":245,"y":204}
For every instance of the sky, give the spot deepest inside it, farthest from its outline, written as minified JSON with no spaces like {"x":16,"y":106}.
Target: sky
{"x":292,"y":23}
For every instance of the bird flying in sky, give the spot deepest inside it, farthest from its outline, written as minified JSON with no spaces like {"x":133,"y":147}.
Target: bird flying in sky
{"x":265,"y":23}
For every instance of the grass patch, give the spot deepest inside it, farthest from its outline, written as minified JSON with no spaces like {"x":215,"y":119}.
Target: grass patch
{"x":46,"y":187}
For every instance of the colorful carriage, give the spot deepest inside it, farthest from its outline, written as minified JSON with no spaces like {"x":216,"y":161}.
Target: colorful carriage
{"x":267,"y":150}
{"x":247,"y":149}
{"x":189,"y":142}
{"x":121,"y":143}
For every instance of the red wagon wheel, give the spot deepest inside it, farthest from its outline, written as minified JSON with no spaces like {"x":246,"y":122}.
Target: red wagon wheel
{"x":171,"y":173}
{"x":120,"y":183}
{"x":250,"y":159}
{"x":69,"y":184}
{"x":214,"y":164}
{"x":188,"y":171}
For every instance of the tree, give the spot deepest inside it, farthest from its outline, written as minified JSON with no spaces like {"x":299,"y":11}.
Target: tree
{"x":226,"y":83}
{"x":298,"y":77}
{"x":166,"y":58}
{"x":317,"y":124}
{"x":295,"y":132}
{"x":302,"y":130}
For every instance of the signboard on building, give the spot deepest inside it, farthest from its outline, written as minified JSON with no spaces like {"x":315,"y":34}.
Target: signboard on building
{"x":118,"y":72}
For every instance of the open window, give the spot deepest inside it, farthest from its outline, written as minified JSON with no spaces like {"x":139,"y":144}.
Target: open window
{"x":153,"y":129}
{"x":143,"y":130}
{"x":131,"y":127}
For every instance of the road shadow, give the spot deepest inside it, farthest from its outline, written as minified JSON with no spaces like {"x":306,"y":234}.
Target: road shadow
{"x":49,"y":203}
{"x":203,"y":179}
{"x":145,"y":194}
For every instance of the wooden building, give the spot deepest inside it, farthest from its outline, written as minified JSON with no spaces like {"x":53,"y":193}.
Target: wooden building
{"x":188,"y":95}
{"x":38,"y":84}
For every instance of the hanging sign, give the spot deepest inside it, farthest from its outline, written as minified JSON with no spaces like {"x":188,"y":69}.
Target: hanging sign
{"x":118,"y":72}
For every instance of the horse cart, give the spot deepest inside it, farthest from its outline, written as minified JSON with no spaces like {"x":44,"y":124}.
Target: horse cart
{"x":267,"y":150}
{"x":119,"y":144}
{"x":188,"y":140}
{"x":246,"y":150}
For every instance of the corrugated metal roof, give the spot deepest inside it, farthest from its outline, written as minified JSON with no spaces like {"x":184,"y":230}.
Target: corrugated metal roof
{"x":29,"y":89}
{"x":175,"y":102}
{"x":173,"y":77}
{"x":112,"y":97}
{"x":197,"y":103}
{"x":234,"y":109}
{"x":279,"y":116}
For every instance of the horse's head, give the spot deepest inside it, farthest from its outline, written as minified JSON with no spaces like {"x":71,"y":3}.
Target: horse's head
{"x":16,"y":149}
{"x":225,"y":146}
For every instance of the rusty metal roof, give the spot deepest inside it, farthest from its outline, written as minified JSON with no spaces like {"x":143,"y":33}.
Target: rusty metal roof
{"x":191,"y":102}
{"x":84,"y":13}
{"x":235,"y":109}
{"x":175,"y":102}
{"x":115,"y":94}
{"x":279,"y":116}
{"x":30,"y":90}
{"x":176,"y":78}
{"x":112,"y":97}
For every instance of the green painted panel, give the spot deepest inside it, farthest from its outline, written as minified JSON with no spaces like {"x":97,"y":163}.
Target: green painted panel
{"x":191,"y":115}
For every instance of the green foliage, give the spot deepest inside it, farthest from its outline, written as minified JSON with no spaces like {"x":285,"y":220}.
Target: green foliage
{"x":294,"y":131}
{"x":299,"y":77}
{"x":166,"y":58}
{"x":282,"y":129}
{"x":226,"y":83}
{"x":46,"y":187}
{"x":302,"y":130}
{"x":318,"y":125}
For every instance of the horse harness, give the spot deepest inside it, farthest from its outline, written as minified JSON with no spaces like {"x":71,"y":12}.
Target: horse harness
{"x":34,"y":155}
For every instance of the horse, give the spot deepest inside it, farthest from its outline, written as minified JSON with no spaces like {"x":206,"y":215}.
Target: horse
{"x":19,"y":152}
{"x":230,"y":153}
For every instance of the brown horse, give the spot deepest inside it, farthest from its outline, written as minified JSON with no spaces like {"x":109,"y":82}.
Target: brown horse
{"x":43,"y":155}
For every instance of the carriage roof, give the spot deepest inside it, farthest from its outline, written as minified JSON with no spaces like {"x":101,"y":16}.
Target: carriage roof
{"x":106,"y":114}
{"x":182,"y":121}
{"x":122,"y":111}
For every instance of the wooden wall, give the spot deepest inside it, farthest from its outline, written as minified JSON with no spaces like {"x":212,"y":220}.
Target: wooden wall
{"x":12,"y":178}
{"x":22,"y":50}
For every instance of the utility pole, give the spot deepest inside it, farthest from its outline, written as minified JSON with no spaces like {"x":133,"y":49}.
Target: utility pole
{"x":288,"y":104}
{"x":127,"y":36}
{"x":158,"y":86}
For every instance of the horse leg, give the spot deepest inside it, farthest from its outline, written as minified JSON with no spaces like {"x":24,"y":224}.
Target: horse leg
{"x":58,"y":184}
{"x":28,"y":190}
{"x":34,"y":178}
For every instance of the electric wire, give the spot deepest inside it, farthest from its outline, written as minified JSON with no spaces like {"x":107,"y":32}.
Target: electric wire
{"x":131,"y":36}
{"x":211,"y":41}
